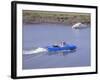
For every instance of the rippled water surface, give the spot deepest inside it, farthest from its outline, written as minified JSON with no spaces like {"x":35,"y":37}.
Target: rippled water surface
{"x":41,"y":35}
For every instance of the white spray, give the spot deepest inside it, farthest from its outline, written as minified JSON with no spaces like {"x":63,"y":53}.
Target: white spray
{"x":36,"y":51}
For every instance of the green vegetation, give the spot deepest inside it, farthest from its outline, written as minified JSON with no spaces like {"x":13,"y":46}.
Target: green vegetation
{"x":55,"y":17}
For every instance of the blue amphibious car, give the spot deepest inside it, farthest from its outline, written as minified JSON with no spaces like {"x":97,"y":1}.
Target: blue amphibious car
{"x":63,"y":48}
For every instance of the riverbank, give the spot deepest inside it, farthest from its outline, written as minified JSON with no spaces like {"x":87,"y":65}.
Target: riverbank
{"x":68,"y":18}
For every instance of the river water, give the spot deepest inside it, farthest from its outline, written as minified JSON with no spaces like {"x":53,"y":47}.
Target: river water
{"x":45,"y":34}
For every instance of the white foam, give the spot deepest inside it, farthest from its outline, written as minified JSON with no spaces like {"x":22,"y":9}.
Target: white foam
{"x":36,"y":51}
{"x":79,"y":26}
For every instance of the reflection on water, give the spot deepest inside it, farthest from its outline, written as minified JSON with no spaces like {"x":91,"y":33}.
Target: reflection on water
{"x":41,"y":35}
{"x":63,"y":53}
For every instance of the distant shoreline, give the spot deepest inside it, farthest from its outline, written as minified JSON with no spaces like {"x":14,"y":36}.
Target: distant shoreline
{"x":67,"y":25}
{"x":69,"y":18}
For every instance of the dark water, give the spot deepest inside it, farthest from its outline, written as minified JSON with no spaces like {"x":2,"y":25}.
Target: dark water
{"x":41,"y":35}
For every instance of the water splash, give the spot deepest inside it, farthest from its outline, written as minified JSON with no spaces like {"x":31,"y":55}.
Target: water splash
{"x":36,"y":51}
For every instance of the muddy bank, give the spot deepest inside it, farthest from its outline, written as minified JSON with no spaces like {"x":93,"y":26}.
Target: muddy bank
{"x":69,"y":18}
